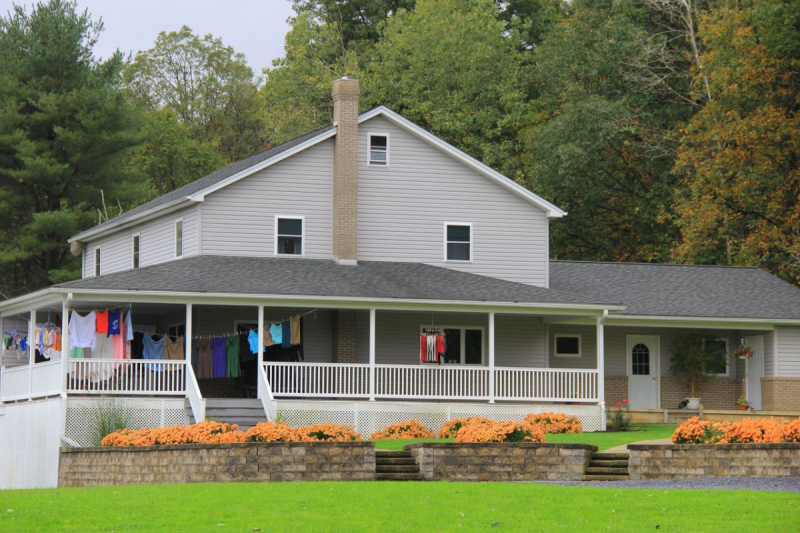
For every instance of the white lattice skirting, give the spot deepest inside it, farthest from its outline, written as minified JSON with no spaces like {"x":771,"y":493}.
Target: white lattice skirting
{"x":29,"y":440}
{"x":83,"y":413}
{"x":369,"y":417}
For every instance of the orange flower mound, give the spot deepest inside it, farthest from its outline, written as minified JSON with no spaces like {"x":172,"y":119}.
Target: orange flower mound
{"x":791,"y":432}
{"x":509,"y":431}
{"x":410,"y":429}
{"x":328,"y":432}
{"x":272,"y":432}
{"x":127,"y":437}
{"x":200,"y":433}
{"x":450,"y":428}
{"x":696,"y":431}
{"x":555,"y":422}
{"x":751,"y":430}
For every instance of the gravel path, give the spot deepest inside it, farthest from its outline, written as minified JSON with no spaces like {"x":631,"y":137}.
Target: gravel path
{"x":791,"y":484}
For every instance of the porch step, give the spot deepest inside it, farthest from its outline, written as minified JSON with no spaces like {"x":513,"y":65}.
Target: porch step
{"x":609,"y":463}
{"x":605,"y":456}
{"x":610,"y":471}
{"x":594,"y":477}
{"x":395,"y":465}
{"x":607,"y":467}
{"x":243,"y":412}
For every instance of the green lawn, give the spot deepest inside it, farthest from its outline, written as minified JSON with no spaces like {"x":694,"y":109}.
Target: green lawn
{"x":388,"y":506}
{"x":603,"y":441}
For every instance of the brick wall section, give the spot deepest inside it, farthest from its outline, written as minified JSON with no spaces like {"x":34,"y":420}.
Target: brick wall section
{"x":208,"y":463}
{"x":501,"y":461}
{"x":345,"y":169}
{"x":671,"y":461}
{"x":780,"y":393}
{"x":716,"y":393}
{"x":616,"y":389}
{"x":343,"y":337}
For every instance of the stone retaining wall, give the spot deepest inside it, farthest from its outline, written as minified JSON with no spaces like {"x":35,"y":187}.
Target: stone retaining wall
{"x":203,"y":463}
{"x":670,"y":461}
{"x":501,"y":461}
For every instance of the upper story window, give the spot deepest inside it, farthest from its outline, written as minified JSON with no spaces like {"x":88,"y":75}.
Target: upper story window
{"x":379,"y":149}
{"x":567,"y":345}
{"x":458,"y":241}
{"x":289,"y":235}
{"x":178,"y":239}
{"x":97,"y":261}
{"x":135,"y":245}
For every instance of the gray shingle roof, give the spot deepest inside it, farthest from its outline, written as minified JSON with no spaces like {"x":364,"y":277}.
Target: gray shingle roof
{"x":207,"y":181}
{"x":315,"y":277}
{"x":680,"y":290}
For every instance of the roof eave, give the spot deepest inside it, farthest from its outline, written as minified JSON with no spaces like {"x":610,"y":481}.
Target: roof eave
{"x":136,"y":219}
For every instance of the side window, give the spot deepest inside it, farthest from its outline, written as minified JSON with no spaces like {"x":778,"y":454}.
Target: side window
{"x":721,"y":345}
{"x":567,"y":345}
{"x":97,"y":261}
{"x":289,"y":235}
{"x":458,"y":242}
{"x":379,"y":149}
{"x":135,"y":245}
{"x":178,"y":239}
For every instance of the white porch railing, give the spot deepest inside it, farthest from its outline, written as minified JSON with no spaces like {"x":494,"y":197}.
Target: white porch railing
{"x":195,"y":397}
{"x":126,"y":376}
{"x":25,"y":382}
{"x":337,"y":380}
{"x":266,"y":396}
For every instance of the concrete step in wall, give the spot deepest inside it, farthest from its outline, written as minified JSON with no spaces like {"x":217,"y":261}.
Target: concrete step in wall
{"x":396,"y":466}
{"x":607,"y":467}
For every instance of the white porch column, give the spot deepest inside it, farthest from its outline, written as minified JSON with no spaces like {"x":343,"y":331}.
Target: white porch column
{"x":601,"y":368}
{"x":491,"y":357}
{"x":65,"y":342}
{"x":187,"y":336}
{"x":372,"y":313}
{"x":260,"y":345}
{"x":31,"y":352}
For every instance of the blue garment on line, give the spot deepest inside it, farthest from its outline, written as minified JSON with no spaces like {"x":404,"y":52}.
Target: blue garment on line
{"x":287,"y":334}
{"x":219,"y":357}
{"x":153,"y":349}
{"x":276,"y":332}
{"x":252,"y":338}
{"x":114,"y":322}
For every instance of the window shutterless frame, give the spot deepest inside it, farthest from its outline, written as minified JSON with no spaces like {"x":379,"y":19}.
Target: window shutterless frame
{"x":135,"y":250}
{"x":179,"y":238}
{"x":727,"y":360}
{"x":558,"y":336}
{"x":463,"y":330}
{"x":378,"y":151}
{"x":454,"y":242}
{"x":97,"y":261}
{"x":293,"y":236}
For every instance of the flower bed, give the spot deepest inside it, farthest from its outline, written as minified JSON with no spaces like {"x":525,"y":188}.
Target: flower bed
{"x":555,"y":422}
{"x":747,"y":431}
{"x":410,"y":429}
{"x":509,"y":431}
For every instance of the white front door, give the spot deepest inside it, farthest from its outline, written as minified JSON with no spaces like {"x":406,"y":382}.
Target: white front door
{"x":755,"y":371}
{"x":643,"y":371}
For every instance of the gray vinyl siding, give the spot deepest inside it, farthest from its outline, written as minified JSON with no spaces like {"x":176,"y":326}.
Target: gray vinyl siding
{"x":156,"y":243}
{"x":788,"y":351}
{"x":239,"y":219}
{"x":402,"y":210}
{"x":519,"y":340}
{"x":769,"y":353}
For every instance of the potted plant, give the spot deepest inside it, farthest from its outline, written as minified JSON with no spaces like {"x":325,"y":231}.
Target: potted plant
{"x":743,"y":352}
{"x":742,"y":404}
{"x":695,"y":357}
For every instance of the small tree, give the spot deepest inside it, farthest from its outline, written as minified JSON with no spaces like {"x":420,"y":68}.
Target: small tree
{"x":696,"y":356}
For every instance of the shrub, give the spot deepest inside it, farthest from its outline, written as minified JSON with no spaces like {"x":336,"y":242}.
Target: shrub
{"x":509,"y":431}
{"x":619,"y":419}
{"x":110,"y":416}
{"x":756,"y":430}
{"x":200,"y":433}
{"x":791,"y":432}
{"x":328,"y":432}
{"x":410,"y":429}
{"x":696,"y":431}
{"x":127,"y":437}
{"x":555,"y":422}
{"x":272,"y":432}
{"x":450,"y":428}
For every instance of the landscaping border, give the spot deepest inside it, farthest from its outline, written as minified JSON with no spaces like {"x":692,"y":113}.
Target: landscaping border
{"x":501,"y":461}
{"x":204,"y":463}
{"x":672,"y":461}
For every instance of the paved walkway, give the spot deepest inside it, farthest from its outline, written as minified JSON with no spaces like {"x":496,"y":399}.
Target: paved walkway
{"x":624,"y":447}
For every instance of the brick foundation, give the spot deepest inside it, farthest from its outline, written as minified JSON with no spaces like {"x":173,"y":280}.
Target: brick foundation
{"x":715,"y":393}
{"x":501,"y":461}
{"x":616,"y":389}
{"x":780,"y":394}
{"x":343,"y":336}
{"x":671,"y":461}
{"x":204,"y":463}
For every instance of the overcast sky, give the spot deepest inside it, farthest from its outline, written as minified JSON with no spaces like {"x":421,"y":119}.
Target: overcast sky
{"x":255,"y":28}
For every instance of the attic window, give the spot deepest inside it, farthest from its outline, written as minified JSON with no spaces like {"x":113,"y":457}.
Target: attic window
{"x":288,"y":235}
{"x":458,"y":242}
{"x":379,"y":149}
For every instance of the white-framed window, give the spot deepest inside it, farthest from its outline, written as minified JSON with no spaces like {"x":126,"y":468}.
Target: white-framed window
{"x":289,"y":235}
{"x":378,"y":149}
{"x":567,"y":345}
{"x":724,"y":345}
{"x":179,"y":238}
{"x":135,"y":243}
{"x":458,"y":241}
{"x":464,"y":345}
{"x":97,"y":261}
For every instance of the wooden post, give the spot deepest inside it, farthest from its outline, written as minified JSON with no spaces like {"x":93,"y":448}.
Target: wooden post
{"x":260,"y":344}
{"x":372,"y":313}
{"x":601,"y":370}
{"x":491,"y":357}
{"x":31,"y":352}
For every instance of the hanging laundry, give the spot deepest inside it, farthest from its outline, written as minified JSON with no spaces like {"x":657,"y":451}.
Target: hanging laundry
{"x":205,"y":358}
{"x":286,"y":334}
{"x":114,"y":322}
{"x":246,"y":355}
{"x":174,"y":350}
{"x":220,"y":358}
{"x":121,"y":346}
{"x":294,"y":326}
{"x":276,"y":333}
{"x":102,"y":321}
{"x":153,"y":349}
{"x":252,"y":340}
{"x":232,"y":352}
{"x":268,"y":341}
{"x":129,"y":326}
{"x":103,"y":347}
{"x":82,"y":330}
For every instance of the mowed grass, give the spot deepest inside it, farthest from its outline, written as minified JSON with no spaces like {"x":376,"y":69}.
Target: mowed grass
{"x":393,"y":506}
{"x":603,"y":441}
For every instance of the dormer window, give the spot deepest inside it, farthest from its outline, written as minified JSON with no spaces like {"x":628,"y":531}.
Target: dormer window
{"x":288,"y":235}
{"x":458,"y":241}
{"x":379,"y":149}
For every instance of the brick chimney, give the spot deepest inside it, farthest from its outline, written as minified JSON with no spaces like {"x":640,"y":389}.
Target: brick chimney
{"x":345,"y":171}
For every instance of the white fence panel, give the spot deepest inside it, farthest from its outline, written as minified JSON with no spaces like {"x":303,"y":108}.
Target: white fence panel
{"x":547,"y":385}
{"x":127,"y":377}
{"x":29,"y":442}
{"x":15,"y":383}
{"x":318,"y":380}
